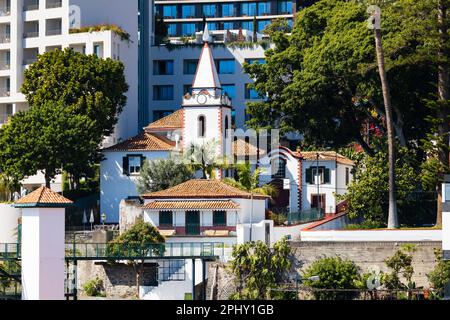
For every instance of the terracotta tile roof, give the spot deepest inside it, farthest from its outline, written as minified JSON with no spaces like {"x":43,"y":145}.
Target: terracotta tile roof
{"x":144,"y":142}
{"x":172,"y":121}
{"x":326,"y":156}
{"x":43,"y":197}
{"x":174,"y":205}
{"x":242,"y":148}
{"x":202,"y":188}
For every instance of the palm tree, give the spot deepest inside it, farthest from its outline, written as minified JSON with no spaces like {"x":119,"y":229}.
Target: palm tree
{"x":376,"y":25}
{"x":204,"y":157}
{"x":249,"y":181}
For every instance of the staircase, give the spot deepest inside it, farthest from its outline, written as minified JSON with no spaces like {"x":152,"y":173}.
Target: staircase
{"x":10,"y":279}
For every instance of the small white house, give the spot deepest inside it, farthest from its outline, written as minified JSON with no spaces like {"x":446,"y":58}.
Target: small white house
{"x":307,"y":180}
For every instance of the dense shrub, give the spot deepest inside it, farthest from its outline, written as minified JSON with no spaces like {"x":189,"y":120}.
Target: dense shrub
{"x":94,"y":288}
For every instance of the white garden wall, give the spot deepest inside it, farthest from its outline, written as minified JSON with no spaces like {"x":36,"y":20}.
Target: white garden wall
{"x":9,"y":217}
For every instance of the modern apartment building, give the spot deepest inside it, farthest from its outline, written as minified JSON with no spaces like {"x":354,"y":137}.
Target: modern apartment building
{"x":31,"y":27}
{"x":166,"y":73}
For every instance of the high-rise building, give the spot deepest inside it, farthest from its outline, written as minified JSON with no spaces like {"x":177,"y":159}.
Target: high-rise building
{"x":32,"y":27}
{"x":166,"y":72}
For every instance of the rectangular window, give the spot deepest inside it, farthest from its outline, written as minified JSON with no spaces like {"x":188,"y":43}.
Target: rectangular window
{"x":162,"y":67}
{"x":171,"y":270}
{"x":209,"y":10}
{"x":285,"y":7}
{"x":263,"y":8}
{"x":134,"y":164}
{"x":225,"y":66}
{"x":187,"y":88}
{"x":262,"y":25}
{"x":230,"y":90}
{"x":228,"y":10}
{"x":163,"y":92}
{"x":316,"y":175}
{"x":257,"y":60}
{"x":247,"y":25}
{"x":251,"y":94}
{"x":190,"y":66}
{"x":219,"y":218}
{"x":170,"y":12}
{"x":212,"y":25}
{"x":187,"y":29}
{"x":159,"y":114}
{"x":248,"y":9}
{"x":188,"y":11}
{"x":347,"y":176}
{"x":228,"y":26}
{"x":172,"y":29}
{"x":165,"y":218}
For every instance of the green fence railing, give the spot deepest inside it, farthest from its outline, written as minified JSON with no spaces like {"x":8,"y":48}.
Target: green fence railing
{"x":115,"y":251}
{"x":304,"y":216}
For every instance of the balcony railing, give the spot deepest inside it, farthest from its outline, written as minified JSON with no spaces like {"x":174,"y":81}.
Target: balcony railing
{"x":4,"y":118}
{"x":5,"y":11}
{"x":31,"y":6}
{"x":5,"y":92}
{"x":5,"y":38}
{"x":5,"y":65}
{"x":53,"y":32}
{"x":53,"y":4}
{"x":31,"y":34}
{"x":29,"y":61}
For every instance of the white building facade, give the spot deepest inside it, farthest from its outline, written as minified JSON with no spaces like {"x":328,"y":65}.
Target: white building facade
{"x":32,"y":27}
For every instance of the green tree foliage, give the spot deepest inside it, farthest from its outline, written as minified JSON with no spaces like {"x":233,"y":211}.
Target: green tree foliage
{"x":48,"y":137}
{"x":401,"y":265}
{"x":74,"y":103}
{"x":367,"y":195}
{"x":258,"y":268}
{"x":94,"y":288}
{"x":440,"y":276}
{"x":249,"y":181}
{"x":333,"y":273}
{"x":139,"y":241}
{"x":161,"y":174}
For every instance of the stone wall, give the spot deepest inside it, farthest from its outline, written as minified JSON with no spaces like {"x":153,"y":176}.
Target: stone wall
{"x":130,"y":210}
{"x":365,"y":255}
{"x":119,"y":280}
{"x":369,"y":254}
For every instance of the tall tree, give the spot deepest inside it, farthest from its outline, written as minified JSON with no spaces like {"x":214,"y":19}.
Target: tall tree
{"x":47,"y":138}
{"x":161,"y":174}
{"x":88,"y":84}
{"x":376,"y":26}
{"x":138,"y":241}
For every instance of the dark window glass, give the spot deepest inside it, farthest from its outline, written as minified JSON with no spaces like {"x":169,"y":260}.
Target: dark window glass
{"x":172,"y":29}
{"x":201,"y":126}
{"x":347,"y":176}
{"x":225,"y":66}
{"x":170,"y":12}
{"x":209,"y":10}
{"x":187,"y":29}
{"x":159,"y":114}
{"x":165,"y":218}
{"x":187,"y":88}
{"x":285,"y":7}
{"x":248,"y":9}
{"x":190,"y":66}
{"x":163,"y":92}
{"x":188,"y":11}
{"x":228,"y":10}
{"x":252,"y":94}
{"x":230,"y":90}
{"x":263,"y":8}
{"x":162,"y":67}
{"x":228,"y":26}
{"x":219,"y":218}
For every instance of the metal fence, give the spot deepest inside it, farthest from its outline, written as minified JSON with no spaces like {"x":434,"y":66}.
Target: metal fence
{"x":291,"y":292}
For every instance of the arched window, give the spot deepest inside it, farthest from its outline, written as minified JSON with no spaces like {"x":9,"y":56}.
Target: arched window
{"x":278,"y":168}
{"x":226,"y":127}
{"x":201,"y":126}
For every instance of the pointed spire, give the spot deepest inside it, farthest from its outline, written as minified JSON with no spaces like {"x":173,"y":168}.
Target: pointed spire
{"x":206,"y":76}
{"x":206,"y":35}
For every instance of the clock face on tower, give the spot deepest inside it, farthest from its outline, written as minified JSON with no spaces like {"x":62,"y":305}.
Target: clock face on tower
{"x":202,"y":98}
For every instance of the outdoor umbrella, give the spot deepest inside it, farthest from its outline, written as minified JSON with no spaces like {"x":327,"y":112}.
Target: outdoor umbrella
{"x":91,"y":218}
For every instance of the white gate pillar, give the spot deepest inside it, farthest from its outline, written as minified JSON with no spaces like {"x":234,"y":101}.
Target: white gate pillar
{"x":43,"y":248}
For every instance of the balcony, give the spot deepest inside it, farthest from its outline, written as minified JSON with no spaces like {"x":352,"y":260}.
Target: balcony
{"x":53,"y":4}
{"x":53,"y":27}
{"x":191,"y":229}
{"x":5,"y":38}
{"x":31,"y":34}
{"x":53,"y":32}
{"x":5,"y":64}
{"x":30,"y":5}
{"x":4,"y":118}
{"x":4,"y":92}
{"x":5,"y":11}
{"x":29,"y":61}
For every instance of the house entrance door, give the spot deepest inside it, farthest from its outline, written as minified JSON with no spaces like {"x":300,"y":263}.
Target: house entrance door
{"x":193,"y":222}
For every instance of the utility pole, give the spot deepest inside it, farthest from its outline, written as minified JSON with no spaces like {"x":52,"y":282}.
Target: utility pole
{"x":374,"y":23}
